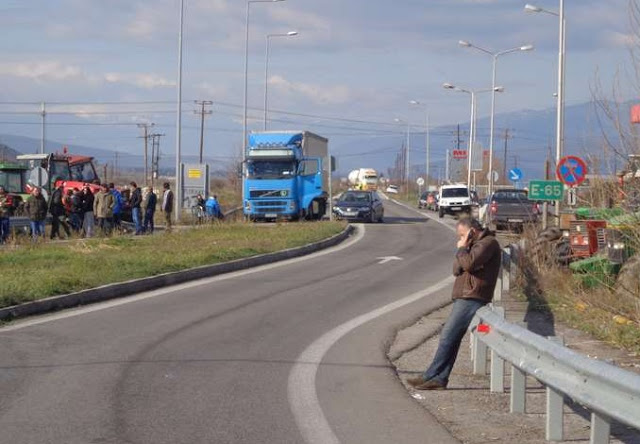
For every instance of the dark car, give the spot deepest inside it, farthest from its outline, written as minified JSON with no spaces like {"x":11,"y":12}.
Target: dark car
{"x":359,"y":205}
{"x":511,"y":209}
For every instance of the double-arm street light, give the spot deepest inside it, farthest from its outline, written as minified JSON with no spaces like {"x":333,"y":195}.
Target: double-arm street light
{"x":428,"y":139}
{"x":494,"y":56}
{"x":266,"y":70}
{"x":562,"y":47}
{"x":472,"y":124}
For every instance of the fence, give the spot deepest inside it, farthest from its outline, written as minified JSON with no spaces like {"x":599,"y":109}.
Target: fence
{"x":608,"y":392}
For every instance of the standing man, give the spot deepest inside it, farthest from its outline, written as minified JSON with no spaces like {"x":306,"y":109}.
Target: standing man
{"x":88,"y":222}
{"x":167,"y":205}
{"x":58,"y":211}
{"x":103,"y":208}
{"x":476,"y":268}
{"x":36,"y":208}
{"x":149,"y":204}
{"x":135,"y":201}
{"x":5,"y":212}
{"x":117,"y":206}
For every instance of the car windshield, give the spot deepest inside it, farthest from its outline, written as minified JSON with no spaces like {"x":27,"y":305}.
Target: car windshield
{"x":515,"y":196}
{"x":455,"y":192}
{"x":271,"y":169}
{"x":356,"y":197}
{"x":11,"y":181}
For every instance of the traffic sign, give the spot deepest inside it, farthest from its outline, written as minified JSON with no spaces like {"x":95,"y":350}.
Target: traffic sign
{"x":420,"y":181}
{"x":545,"y":190}
{"x":515,"y":175}
{"x":571,"y":171}
{"x":496,"y":176}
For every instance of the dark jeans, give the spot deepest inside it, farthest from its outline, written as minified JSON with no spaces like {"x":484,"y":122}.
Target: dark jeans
{"x":105,"y":225}
{"x":4,"y":229}
{"x":137,"y":219}
{"x":37,"y":228}
{"x":450,"y":339}
{"x":56,"y":223}
{"x":76,"y":221}
{"x":148,"y":221}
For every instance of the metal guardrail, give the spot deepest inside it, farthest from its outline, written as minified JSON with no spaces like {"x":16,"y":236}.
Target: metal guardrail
{"x":608,"y":392}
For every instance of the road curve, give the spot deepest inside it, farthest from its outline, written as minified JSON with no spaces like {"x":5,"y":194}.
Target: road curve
{"x":214,"y":361}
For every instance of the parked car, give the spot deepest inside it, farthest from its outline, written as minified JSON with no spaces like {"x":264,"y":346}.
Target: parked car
{"x":454,"y":199}
{"x":392,"y":189}
{"x":359,"y":205}
{"x":510,"y":209}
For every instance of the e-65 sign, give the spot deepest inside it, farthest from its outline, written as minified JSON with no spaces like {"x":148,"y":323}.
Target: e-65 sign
{"x":545,"y":190}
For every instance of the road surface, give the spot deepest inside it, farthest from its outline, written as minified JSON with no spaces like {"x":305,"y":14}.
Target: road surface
{"x":289,"y":353}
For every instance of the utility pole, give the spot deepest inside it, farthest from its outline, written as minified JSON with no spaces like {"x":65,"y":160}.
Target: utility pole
{"x":202,"y":112}
{"x":155,"y":156}
{"x":116,"y":173}
{"x":145,"y":127}
{"x":43,"y":142}
{"x":447,"y":173}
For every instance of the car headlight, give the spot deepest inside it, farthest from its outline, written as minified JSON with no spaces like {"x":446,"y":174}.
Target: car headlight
{"x":618,"y":245}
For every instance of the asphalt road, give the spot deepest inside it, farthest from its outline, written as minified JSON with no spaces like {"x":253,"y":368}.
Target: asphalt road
{"x":289,"y":353}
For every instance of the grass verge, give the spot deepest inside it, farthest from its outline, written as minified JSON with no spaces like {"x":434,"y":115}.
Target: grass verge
{"x":35,"y":272}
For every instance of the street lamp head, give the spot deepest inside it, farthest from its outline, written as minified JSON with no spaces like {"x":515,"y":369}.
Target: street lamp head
{"x":414,"y":102}
{"x":527,"y":48}
{"x":398,"y":120}
{"x":464,"y":44}
{"x":448,"y":86}
{"x":499,"y":89}
{"x":292,"y":33}
{"x":531,"y":8}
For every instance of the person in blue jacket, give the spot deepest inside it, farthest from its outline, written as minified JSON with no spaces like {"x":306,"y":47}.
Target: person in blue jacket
{"x":213,"y":208}
{"x":117,"y":207}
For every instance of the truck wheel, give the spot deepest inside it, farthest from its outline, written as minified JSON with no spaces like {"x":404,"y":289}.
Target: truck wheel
{"x":440,"y":213}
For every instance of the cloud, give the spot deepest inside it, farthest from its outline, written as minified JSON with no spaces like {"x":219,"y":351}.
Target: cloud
{"x":621,"y":39}
{"x":327,"y":95}
{"x":42,"y":71}
{"x":141,"y":80}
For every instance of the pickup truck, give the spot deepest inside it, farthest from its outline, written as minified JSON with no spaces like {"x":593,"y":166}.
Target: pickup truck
{"x":510,"y":209}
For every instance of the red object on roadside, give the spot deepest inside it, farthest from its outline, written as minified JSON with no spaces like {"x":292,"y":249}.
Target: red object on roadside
{"x":635,"y":114}
{"x":494,"y":207}
{"x":483,"y":328}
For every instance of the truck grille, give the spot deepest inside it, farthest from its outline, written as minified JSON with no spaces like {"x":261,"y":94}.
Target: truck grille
{"x":254,"y":194}
{"x":269,"y":203}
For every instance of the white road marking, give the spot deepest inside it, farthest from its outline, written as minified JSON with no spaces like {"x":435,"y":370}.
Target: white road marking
{"x":69,"y":313}
{"x":384,"y":260}
{"x":301,"y":388}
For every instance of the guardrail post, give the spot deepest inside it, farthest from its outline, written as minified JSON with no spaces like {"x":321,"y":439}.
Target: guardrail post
{"x":497,"y":363}
{"x":506,"y":269}
{"x":479,"y":356}
{"x":472,"y":337}
{"x":600,"y":429}
{"x":555,"y":409}
{"x":518,"y":396}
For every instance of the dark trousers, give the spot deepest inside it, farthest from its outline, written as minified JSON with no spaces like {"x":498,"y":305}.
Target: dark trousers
{"x":137,"y":219}
{"x":450,"y":338}
{"x":148,"y":221}
{"x":105,"y":224}
{"x":4,"y":229}
{"x":56,"y":223}
{"x":76,"y":221}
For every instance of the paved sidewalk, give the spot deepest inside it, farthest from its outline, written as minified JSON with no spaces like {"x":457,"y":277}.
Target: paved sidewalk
{"x":471,"y":412}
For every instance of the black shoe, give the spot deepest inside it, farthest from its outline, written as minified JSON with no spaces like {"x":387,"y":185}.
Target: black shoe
{"x":430,"y":385}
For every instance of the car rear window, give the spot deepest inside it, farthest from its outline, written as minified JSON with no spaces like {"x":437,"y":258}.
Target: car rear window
{"x":455,"y":192}
{"x":514,"y":196}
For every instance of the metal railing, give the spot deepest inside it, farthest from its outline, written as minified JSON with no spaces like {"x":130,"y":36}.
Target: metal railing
{"x":608,"y":392}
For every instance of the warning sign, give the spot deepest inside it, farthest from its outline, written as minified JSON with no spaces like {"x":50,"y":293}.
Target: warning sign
{"x":193,"y":173}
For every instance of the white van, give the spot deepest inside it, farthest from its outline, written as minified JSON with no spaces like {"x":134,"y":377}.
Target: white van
{"x":454,"y":199}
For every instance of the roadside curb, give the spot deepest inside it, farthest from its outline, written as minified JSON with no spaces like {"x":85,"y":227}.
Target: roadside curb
{"x":128,"y":288}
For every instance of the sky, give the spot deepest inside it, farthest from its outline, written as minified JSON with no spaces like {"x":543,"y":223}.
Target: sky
{"x":112,"y":64}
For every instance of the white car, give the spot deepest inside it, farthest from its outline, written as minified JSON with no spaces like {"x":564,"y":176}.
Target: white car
{"x":454,"y":199}
{"x":392,"y":189}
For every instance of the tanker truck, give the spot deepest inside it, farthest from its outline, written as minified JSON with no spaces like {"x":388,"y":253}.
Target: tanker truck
{"x":365,"y":179}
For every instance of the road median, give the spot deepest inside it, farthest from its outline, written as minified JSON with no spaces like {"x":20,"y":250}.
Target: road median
{"x":34,"y":280}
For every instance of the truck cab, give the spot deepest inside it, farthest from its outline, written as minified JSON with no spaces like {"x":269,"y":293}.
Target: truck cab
{"x":287,"y":175}
{"x":13,"y":180}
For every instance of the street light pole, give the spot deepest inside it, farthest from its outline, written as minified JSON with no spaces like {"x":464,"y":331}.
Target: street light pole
{"x":560,"y":94}
{"x":427,"y":139}
{"x":266,"y":71}
{"x":178,"y":188}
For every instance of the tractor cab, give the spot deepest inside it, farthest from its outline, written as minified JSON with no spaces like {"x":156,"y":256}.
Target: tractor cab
{"x":13,"y":180}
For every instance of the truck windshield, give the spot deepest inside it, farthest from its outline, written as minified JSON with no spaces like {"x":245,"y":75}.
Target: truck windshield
{"x":11,"y":181}
{"x":83,"y":172}
{"x":455,"y":192}
{"x":271,"y":169}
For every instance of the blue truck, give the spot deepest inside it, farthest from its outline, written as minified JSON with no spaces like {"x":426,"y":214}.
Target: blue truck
{"x":287,"y":176}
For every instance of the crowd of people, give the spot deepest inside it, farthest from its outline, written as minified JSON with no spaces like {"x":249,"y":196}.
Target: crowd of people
{"x":85,"y":213}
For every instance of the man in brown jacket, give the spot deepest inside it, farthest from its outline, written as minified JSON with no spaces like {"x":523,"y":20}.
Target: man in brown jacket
{"x":476,"y":268}
{"x":103,"y":205}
